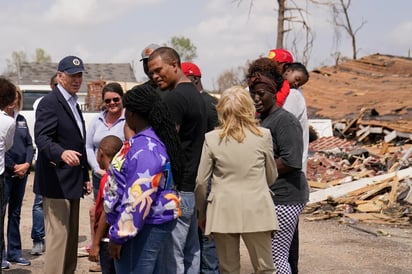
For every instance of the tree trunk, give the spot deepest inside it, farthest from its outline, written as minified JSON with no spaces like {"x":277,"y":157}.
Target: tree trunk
{"x":281,"y":20}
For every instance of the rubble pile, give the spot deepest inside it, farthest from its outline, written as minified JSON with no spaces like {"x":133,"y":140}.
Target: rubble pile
{"x":360,"y":183}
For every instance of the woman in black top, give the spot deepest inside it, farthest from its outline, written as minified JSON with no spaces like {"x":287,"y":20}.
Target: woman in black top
{"x":290,"y":190}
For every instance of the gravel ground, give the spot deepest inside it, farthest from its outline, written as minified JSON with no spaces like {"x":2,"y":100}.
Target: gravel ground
{"x":325,"y":246}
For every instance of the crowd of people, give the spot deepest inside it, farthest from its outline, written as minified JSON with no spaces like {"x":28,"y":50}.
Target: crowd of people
{"x":178,"y":176}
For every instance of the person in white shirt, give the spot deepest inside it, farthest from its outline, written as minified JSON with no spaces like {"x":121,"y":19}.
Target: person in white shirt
{"x":7,"y":129}
{"x":297,"y":75}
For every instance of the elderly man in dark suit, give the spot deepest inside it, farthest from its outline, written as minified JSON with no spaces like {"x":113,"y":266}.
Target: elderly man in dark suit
{"x":61,"y":168}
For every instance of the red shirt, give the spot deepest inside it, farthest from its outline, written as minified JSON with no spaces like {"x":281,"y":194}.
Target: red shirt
{"x":99,"y":201}
{"x":282,"y":94}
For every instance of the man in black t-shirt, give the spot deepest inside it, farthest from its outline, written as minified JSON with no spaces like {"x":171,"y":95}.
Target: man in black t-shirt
{"x":208,"y":258}
{"x":182,"y":253}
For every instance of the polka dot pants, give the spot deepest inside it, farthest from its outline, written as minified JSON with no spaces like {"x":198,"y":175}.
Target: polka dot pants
{"x":288,"y":216}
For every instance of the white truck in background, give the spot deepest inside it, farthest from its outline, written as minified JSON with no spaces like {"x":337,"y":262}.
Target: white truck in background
{"x":32,"y":92}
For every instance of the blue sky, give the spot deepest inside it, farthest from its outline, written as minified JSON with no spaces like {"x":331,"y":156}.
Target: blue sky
{"x":226,"y":36}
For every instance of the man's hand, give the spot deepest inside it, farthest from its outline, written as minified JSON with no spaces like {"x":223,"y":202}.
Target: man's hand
{"x":94,"y":253}
{"x":21,"y":170}
{"x":71,"y":157}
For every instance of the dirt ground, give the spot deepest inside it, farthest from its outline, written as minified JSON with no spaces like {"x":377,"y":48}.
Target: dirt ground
{"x":325,"y":246}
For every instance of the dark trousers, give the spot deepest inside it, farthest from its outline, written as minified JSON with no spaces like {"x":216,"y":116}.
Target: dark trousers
{"x":106,"y":262}
{"x":209,"y":263}
{"x":14,"y":189}
{"x":294,"y":251}
{"x":2,"y":219}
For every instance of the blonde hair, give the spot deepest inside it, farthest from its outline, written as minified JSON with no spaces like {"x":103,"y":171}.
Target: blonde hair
{"x":236,"y":113}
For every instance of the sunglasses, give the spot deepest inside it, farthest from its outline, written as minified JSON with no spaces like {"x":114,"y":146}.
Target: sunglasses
{"x":115,"y":100}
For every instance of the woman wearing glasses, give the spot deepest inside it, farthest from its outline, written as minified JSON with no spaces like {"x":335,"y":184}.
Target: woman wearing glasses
{"x":110,"y":121}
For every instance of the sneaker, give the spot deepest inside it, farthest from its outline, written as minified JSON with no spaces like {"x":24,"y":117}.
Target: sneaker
{"x":21,"y":261}
{"x":38,"y":248}
{"x":5,"y":264}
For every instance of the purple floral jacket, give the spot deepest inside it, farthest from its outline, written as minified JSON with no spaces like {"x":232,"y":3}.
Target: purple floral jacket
{"x":139,"y":187}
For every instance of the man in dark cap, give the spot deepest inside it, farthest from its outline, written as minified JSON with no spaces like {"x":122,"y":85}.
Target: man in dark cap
{"x":61,"y":169}
{"x":145,"y":57}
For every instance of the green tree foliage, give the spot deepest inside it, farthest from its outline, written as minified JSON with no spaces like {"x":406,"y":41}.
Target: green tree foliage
{"x":42,"y":56}
{"x":19,"y":57}
{"x":183,"y":46}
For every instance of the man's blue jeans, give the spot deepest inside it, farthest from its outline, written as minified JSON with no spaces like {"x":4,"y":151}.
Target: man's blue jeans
{"x":142,"y":253}
{"x":181,"y":253}
{"x":209,"y":263}
{"x":37,"y":230}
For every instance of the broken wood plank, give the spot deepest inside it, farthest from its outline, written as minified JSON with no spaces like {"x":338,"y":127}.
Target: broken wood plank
{"x":389,"y":137}
{"x":367,"y":216}
{"x":394,"y":167}
{"x":367,"y":188}
{"x":364,"y":135}
{"x":392,"y":195}
{"x":374,"y":191}
{"x":376,"y":130}
{"x":370,"y":206}
{"x":362,"y":130}
{"x":404,"y":135}
{"x":321,"y":217}
{"x":347,"y":179}
{"x":315,"y":184}
{"x":343,"y":189}
{"x":364,"y":174}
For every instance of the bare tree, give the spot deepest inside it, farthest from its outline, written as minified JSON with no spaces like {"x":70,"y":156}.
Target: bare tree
{"x":231,"y":77}
{"x":342,"y":9}
{"x":288,"y":16}
{"x":14,"y":63}
{"x":301,"y":53}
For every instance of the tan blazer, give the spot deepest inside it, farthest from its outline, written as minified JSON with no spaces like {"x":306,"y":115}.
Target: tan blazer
{"x":240,"y":200}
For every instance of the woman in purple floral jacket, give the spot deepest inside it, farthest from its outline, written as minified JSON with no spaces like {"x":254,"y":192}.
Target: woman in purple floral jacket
{"x":140,"y":202}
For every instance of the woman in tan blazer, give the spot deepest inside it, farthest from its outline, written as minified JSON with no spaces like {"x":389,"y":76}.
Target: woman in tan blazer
{"x":238,"y":156}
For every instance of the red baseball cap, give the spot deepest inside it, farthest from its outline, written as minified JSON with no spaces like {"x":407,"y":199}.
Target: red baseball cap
{"x":281,"y":55}
{"x":190,"y":69}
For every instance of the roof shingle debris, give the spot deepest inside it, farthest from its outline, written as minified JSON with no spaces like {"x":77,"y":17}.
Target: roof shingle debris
{"x":360,"y":183}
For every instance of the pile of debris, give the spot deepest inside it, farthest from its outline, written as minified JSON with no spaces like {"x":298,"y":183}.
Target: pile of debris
{"x":360,"y":183}
{"x":370,"y":127}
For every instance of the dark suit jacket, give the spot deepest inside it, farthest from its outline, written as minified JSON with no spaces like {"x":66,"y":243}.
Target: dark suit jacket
{"x":55,"y":131}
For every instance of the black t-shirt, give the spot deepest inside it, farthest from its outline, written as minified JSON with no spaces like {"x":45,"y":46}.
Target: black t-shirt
{"x":292,"y":187}
{"x":188,"y":110}
{"x":211,"y":102}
